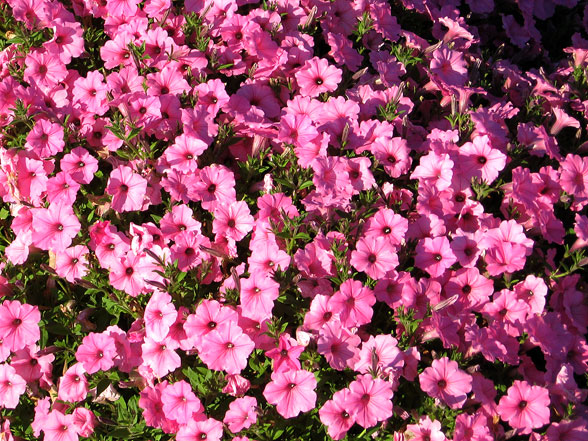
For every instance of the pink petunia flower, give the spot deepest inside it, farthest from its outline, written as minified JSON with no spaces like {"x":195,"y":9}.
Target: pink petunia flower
{"x":292,"y":392}
{"x":206,"y":429}
{"x":286,"y":356}
{"x":233,"y":221}
{"x":445,"y":381}
{"x":19,"y":324}
{"x":337,"y":344}
{"x":180,"y":403}
{"x":43,"y":68}
{"x":60,"y":427}
{"x":91,"y":93}
{"x":226,"y":348}
{"x":97,"y":352}
{"x":369,"y":400}
{"x":257,"y":295}
{"x":481,"y":160}
{"x":71,"y":264}
{"x":434,"y":255}
{"x":374,"y":255}
{"x":241,"y":414}
{"x":12,"y":386}
{"x":317,"y":76}
{"x":127,"y":188}
{"x":353,"y":302}
{"x":73,"y":385}
{"x":161,"y":357}
{"x":335,"y":416}
{"x":160,"y":314}
{"x":46,"y":138}
{"x":55,"y":227}
{"x":525,"y":407}
{"x":80,"y":165}
{"x":449,"y":66}
{"x":425,"y":430}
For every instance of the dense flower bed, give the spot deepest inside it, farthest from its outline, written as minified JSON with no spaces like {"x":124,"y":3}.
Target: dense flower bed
{"x":293,"y":219}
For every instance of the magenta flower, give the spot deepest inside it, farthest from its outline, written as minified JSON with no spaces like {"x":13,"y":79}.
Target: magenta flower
{"x":226,"y":348}
{"x":337,"y":344}
{"x":525,"y":407}
{"x":71,"y":264}
{"x":43,"y":68}
{"x":80,"y":165}
{"x":445,"y":381}
{"x":46,"y":138}
{"x":434,"y":255}
{"x":369,"y":400}
{"x":19,"y":324}
{"x":292,"y":392}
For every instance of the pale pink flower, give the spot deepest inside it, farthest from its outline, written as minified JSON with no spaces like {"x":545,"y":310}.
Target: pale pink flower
{"x":292,"y":392}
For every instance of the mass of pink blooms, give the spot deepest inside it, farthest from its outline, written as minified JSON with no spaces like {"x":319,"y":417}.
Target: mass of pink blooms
{"x":390,"y":218}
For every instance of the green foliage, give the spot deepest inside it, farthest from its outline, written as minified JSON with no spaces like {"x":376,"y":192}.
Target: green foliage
{"x":196,"y":31}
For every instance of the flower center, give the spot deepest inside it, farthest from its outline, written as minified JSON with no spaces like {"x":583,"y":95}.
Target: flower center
{"x":522,"y":404}
{"x":437,"y":257}
{"x":372,"y":258}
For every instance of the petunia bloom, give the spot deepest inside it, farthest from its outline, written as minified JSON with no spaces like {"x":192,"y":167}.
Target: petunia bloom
{"x":292,"y":392}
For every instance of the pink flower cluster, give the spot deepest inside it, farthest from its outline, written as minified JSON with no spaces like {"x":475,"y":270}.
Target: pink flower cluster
{"x":424,"y":250}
